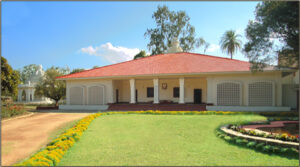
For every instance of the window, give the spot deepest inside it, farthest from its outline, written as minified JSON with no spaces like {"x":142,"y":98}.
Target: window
{"x":176,"y":92}
{"x":228,"y":94}
{"x":150,"y":92}
{"x":260,"y":94}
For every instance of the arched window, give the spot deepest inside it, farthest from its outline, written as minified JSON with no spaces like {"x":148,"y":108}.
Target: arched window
{"x":76,"y":95}
{"x":229,"y":94}
{"x":96,"y":95}
{"x":260,"y":93}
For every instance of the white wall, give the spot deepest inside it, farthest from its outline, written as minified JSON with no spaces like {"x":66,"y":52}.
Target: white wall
{"x":85,"y":84}
{"x":245,"y":79}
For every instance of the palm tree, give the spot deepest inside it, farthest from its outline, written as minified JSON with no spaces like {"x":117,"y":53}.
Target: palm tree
{"x":230,"y":42}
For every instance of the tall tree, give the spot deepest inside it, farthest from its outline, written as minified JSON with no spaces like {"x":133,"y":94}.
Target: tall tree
{"x":50,"y":87}
{"x":230,"y":42}
{"x":141,"y":54}
{"x":75,"y":70}
{"x":10,"y":79}
{"x":170,"y":24}
{"x":275,"y":21}
{"x":28,"y":71}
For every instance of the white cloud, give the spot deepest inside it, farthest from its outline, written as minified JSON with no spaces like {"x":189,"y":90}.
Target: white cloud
{"x":213,"y":48}
{"x":114,"y":54}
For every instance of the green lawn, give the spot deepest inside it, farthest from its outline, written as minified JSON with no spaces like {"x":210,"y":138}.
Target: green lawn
{"x":164,"y":140}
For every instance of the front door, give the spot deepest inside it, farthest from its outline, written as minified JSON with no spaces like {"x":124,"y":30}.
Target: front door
{"x":136,"y":96}
{"x":197,"y":96}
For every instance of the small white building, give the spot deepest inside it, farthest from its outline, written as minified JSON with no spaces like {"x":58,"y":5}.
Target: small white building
{"x":26,"y":92}
{"x":183,"y":78}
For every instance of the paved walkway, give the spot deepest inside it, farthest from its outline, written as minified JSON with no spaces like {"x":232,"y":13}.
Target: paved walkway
{"x":23,"y":136}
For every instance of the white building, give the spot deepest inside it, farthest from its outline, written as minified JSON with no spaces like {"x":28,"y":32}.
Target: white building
{"x":26,"y":92}
{"x":183,"y":78}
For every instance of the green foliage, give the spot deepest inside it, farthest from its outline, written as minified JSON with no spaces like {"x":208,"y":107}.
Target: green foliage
{"x":170,"y":24}
{"x":230,"y":42}
{"x":228,"y":138}
{"x":10,"y":110}
{"x":141,"y":54}
{"x":10,"y":79}
{"x":50,"y":87}
{"x":75,"y":70}
{"x":267,"y":148}
{"x":28,"y":71}
{"x":251,"y":144}
{"x":277,"y":20}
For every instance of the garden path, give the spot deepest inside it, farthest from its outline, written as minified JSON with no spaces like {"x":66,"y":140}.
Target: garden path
{"x":24,"y":136}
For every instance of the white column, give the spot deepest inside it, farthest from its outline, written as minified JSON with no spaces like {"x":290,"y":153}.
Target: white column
{"x":181,"y":90}
{"x":209,"y":92}
{"x":111,"y":92}
{"x":27,"y":95}
{"x":33,"y":90}
{"x":132,"y":91}
{"x":20,"y":91}
{"x":156,"y":91}
{"x":67,"y":94}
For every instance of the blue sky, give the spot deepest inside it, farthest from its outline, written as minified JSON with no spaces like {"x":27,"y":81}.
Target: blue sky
{"x":85,"y":34}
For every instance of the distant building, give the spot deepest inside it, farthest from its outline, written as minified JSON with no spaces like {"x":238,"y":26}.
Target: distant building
{"x":26,"y":92}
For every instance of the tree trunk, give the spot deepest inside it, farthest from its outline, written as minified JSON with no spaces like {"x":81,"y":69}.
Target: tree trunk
{"x":56,"y":103}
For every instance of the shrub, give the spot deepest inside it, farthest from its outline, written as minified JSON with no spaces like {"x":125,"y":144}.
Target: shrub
{"x":267,"y":148}
{"x":239,"y":141}
{"x":228,"y":138}
{"x":283,"y":150}
{"x":275,"y":149}
{"x":260,"y":145}
{"x":251,"y":144}
{"x":10,"y":110}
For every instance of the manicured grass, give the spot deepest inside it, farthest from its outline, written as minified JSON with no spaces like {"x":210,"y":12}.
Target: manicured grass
{"x":164,"y":140}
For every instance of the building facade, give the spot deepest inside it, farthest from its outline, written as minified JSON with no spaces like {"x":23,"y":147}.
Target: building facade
{"x":184,"y":78}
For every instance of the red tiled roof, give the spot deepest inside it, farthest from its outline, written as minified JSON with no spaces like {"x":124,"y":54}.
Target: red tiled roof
{"x":171,"y":63}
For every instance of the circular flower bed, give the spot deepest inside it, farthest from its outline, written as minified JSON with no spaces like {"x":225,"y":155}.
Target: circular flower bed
{"x":283,"y":137}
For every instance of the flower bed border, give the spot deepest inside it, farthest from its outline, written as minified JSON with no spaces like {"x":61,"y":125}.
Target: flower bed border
{"x":260,"y":133}
{"x":53,"y":153}
{"x":257,"y":144}
{"x":257,"y":138}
